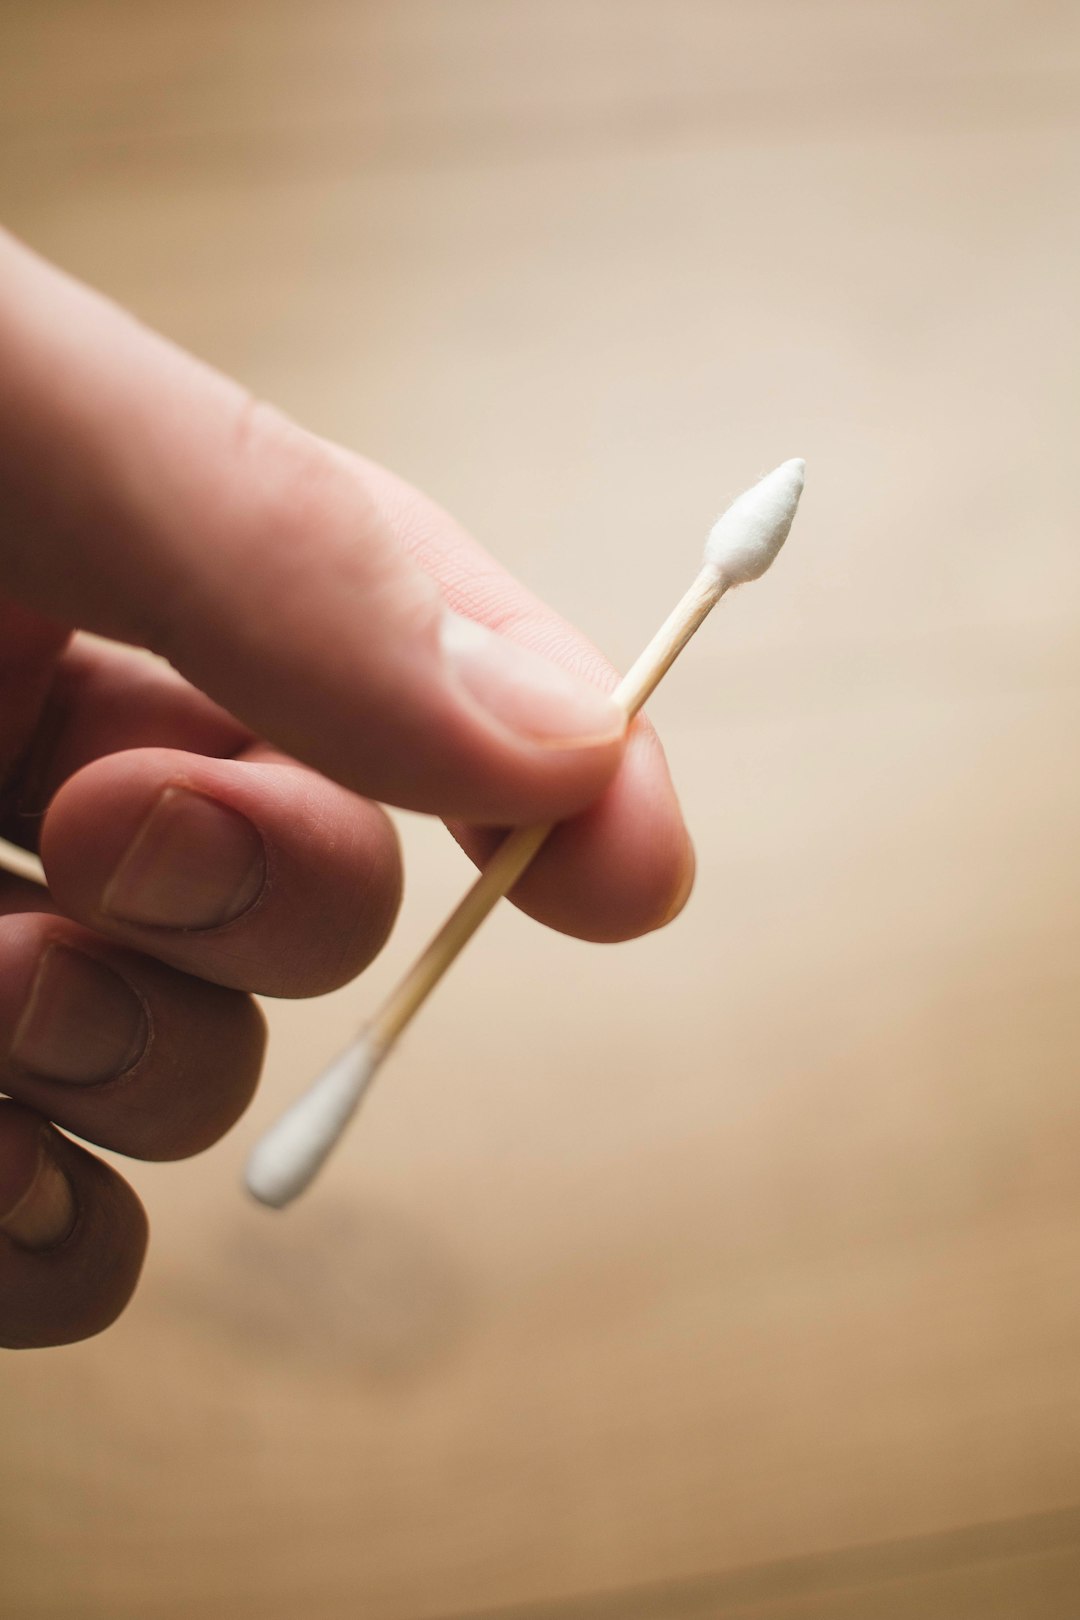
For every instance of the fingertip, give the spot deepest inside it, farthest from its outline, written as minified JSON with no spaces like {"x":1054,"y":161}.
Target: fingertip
{"x":619,"y":870}
{"x":199,"y":1061}
{"x":77,"y":1282}
{"x":255,"y":874}
{"x":684,"y":887}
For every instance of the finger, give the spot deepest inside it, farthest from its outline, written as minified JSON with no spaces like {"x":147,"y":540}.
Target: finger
{"x":143,"y":496}
{"x":622,"y":868}
{"x":102,"y":699}
{"x":117,"y":1047}
{"x":72,"y":1236}
{"x":261,"y":876}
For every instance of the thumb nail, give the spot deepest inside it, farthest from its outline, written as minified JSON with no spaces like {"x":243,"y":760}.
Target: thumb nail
{"x":530,"y":695}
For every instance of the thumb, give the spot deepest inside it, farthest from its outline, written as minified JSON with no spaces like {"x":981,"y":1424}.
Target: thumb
{"x":147,"y":498}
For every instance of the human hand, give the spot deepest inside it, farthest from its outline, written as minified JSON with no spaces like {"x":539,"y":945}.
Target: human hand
{"x":208,"y":830}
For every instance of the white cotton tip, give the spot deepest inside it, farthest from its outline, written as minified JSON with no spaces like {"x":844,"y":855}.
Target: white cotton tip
{"x":291,"y":1153}
{"x":745,"y":540}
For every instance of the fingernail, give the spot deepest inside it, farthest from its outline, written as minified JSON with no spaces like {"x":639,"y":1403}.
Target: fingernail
{"x":45,"y":1213}
{"x":529,"y":694}
{"x":192,"y":864}
{"x":82,"y":1022}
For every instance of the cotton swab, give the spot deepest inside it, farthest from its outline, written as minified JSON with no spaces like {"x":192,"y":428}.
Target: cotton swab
{"x":740,"y":547}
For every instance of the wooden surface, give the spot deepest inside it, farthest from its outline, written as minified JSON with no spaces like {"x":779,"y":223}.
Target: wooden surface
{"x":736,"y":1271}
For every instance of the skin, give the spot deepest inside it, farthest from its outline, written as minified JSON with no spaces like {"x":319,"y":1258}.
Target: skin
{"x":296,"y":592}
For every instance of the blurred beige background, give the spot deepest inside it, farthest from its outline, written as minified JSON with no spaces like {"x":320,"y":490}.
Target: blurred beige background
{"x":737,"y":1271}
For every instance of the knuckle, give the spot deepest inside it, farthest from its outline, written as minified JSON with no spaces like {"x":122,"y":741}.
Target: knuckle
{"x":310,"y":520}
{"x":281,"y":471}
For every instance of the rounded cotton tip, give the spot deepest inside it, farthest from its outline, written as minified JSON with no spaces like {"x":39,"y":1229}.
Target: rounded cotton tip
{"x":745,"y":540}
{"x":292,"y":1152}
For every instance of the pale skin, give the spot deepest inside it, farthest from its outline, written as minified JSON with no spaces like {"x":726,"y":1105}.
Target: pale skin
{"x":213,"y":829}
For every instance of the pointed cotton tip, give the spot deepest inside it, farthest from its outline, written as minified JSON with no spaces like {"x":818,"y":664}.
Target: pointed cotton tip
{"x":292,"y":1152}
{"x":744,"y":542}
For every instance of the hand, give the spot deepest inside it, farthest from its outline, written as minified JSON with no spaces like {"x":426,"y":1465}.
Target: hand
{"x":208,"y":830}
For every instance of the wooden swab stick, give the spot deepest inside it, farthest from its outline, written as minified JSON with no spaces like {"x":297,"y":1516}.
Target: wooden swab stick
{"x":740,"y":547}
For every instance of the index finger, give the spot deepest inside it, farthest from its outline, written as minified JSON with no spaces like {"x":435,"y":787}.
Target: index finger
{"x":280,"y":574}
{"x":148,"y":498}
